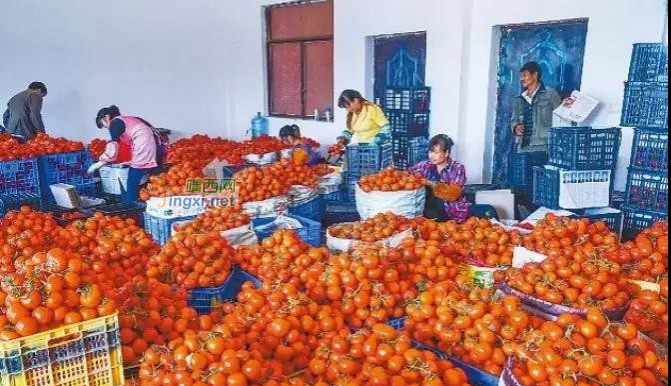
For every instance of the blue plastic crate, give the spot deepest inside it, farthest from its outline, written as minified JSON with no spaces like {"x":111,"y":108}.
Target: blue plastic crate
{"x":546,"y":188}
{"x":635,"y":220}
{"x":647,"y":190}
{"x":338,"y":195}
{"x":476,"y":377}
{"x":584,"y":148}
{"x":650,"y":149}
{"x":67,"y":168}
{"x":19,"y":176}
{"x":9,"y":202}
{"x":365,"y":159}
{"x":400,"y":148}
{"x":612,"y":217}
{"x":522,"y":168}
{"x":160,"y":229}
{"x":418,"y":150}
{"x":649,"y":63}
{"x":204,"y":300}
{"x":417,"y":99}
{"x":350,"y":185}
{"x":405,"y":123}
{"x":310,"y":232}
{"x":645,"y":105}
{"x":311,"y":209}
{"x":339,"y":212}
{"x":134,"y":210}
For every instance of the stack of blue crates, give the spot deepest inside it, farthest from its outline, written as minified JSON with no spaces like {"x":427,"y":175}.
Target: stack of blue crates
{"x":66,"y":168}
{"x":363,"y":160}
{"x":593,"y":152}
{"x":645,"y":108}
{"x":19,"y":176}
{"x":408,"y":111}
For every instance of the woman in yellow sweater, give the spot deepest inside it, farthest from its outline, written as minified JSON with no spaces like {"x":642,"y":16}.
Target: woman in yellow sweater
{"x":366,"y":122}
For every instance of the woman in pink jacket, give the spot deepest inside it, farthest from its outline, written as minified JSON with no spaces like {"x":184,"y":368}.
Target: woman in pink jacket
{"x":143,"y":140}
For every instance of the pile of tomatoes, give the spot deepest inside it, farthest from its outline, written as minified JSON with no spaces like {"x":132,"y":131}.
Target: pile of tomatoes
{"x":379,"y":227}
{"x":258,"y":184}
{"x":203,"y":149}
{"x":174,"y":181}
{"x":645,"y":258}
{"x":478,"y":242}
{"x":379,"y":356}
{"x":470,"y":325}
{"x":283,"y":258}
{"x":22,"y":234}
{"x":649,"y":312}
{"x":47,"y":291}
{"x":193,"y":261}
{"x":216,"y":218}
{"x":11,"y":149}
{"x":392,"y":180}
{"x":97,"y":147}
{"x":587,"y":351}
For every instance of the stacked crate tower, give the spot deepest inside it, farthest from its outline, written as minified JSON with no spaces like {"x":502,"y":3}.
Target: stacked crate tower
{"x":645,"y":108}
{"x":408,"y":111}
{"x":580,"y":173}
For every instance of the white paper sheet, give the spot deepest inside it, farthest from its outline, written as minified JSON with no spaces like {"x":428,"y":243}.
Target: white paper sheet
{"x":580,"y":107}
{"x":584,"y":189}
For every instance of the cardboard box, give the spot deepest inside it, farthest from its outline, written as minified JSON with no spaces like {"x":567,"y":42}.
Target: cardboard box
{"x":502,"y":200}
{"x":66,"y":196}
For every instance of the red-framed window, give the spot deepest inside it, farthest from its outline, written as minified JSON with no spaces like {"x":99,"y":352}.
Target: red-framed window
{"x":300,"y":58}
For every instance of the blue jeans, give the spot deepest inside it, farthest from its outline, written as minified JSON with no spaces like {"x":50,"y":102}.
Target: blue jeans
{"x":133,"y":184}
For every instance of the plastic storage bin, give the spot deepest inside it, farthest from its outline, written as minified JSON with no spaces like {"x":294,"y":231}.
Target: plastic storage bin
{"x":408,"y":123}
{"x":68,"y":168}
{"x":581,"y":188}
{"x":11,"y":202}
{"x":647,"y":190}
{"x":350,"y":184}
{"x":113,"y":179}
{"x":407,"y":99}
{"x":612,"y":217}
{"x":203,"y":300}
{"x":649,"y":63}
{"x":310,"y":232}
{"x":418,"y":150}
{"x":645,"y":105}
{"x":368,"y":159}
{"x":635,"y":220}
{"x":20,"y":176}
{"x":522,"y":168}
{"x":311,"y":209}
{"x":339,"y":212}
{"x":160,"y":228}
{"x":584,"y":148}
{"x":86,"y":353}
{"x":650,"y":149}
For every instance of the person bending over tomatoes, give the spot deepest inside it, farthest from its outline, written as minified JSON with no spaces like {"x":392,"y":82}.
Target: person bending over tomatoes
{"x":366,"y":122}
{"x":303,"y":153}
{"x":147,"y":148}
{"x":447,"y":178}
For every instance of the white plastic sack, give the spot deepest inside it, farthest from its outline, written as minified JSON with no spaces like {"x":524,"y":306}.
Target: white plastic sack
{"x":339,"y":245}
{"x":242,"y":235}
{"x":271,"y":207}
{"x":523,"y":256}
{"x":281,"y":222}
{"x":286,"y":153}
{"x":176,"y":206}
{"x":261,"y":159}
{"x":406,"y":203}
{"x":510,"y":225}
{"x":329,"y":183}
{"x":299,"y":194}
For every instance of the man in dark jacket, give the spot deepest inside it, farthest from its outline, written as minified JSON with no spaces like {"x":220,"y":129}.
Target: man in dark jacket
{"x":532,"y":112}
{"x":23,"y":116}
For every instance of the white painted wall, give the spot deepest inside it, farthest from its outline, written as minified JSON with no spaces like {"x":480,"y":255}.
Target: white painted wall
{"x":198,"y":67}
{"x":164,"y":60}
